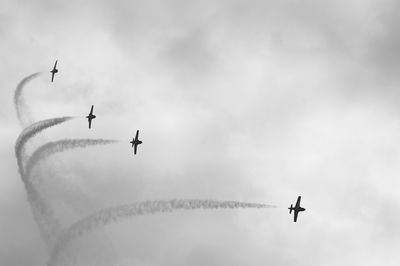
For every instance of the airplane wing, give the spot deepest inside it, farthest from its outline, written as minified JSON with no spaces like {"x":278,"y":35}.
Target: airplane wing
{"x":295,"y":215}
{"x":52,"y":76}
{"x":55,"y":65}
{"x":298,"y":202}
{"x":90,"y":122}
{"x":135,"y":148}
{"x":137,"y":134}
{"x":91,"y":110}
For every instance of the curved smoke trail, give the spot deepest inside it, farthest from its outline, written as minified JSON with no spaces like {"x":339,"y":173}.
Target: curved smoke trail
{"x":51,"y":148}
{"x":106,"y":216}
{"x":18,"y":101}
{"x":52,"y":227}
{"x":30,"y":132}
{"x":42,"y":212}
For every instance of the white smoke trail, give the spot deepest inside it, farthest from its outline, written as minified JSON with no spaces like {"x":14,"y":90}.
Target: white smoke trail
{"x":44,"y":216}
{"x":51,"y":148}
{"x":30,"y":132}
{"x":106,"y":216}
{"x":18,"y":100}
{"x":41,"y":209}
{"x":42,"y":153}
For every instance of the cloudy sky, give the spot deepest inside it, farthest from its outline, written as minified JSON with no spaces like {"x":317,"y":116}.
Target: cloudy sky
{"x":256,"y":101}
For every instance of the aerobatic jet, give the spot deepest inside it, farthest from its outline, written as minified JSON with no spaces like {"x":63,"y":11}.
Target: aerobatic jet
{"x":90,"y":117}
{"x":135,"y":142}
{"x":54,"y":71}
{"x":296,"y":208}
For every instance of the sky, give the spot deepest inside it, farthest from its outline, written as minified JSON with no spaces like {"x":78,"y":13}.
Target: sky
{"x":254,"y":101}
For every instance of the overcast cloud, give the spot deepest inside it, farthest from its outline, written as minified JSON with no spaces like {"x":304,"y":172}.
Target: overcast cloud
{"x":252,"y":101}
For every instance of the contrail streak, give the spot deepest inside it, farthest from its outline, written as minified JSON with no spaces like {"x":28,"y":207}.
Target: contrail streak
{"x":43,"y":214}
{"x":51,"y":148}
{"x":41,"y":209}
{"x":18,"y":101}
{"x":106,"y":216}
{"x":30,"y":132}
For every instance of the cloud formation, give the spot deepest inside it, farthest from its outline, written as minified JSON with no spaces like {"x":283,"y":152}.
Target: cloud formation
{"x":259,"y":101}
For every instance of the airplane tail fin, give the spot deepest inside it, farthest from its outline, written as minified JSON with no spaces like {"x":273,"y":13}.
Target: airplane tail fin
{"x":290,"y":208}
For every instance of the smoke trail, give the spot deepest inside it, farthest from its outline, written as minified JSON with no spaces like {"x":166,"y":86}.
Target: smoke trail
{"x":30,"y":132}
{"x":42,"y":211}
{"x":18,"y":101}
{"x":53,"y":147}
{"x":106,"y":216}
{"x":50,"y":148}
{"x":43,"y":214}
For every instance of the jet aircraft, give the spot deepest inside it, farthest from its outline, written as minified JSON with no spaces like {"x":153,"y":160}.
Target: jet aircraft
{"x":90,"y":117}
{"x":296,"y":208}
{"x":54,"y":71}
{"x":135,"y":141}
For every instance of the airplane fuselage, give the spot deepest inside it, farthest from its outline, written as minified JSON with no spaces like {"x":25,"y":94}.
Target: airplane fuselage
{"x":90,"y":117}
{"x":296,"y":209}
{"x":53,"y":72}
{"x":136,"y":142}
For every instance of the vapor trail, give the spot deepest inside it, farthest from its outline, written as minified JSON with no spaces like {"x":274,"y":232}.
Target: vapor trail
{"x":42,"y":211}
{"x":18,"y":101}
{"x":30,"y":132}
{"x":51,"y":148}
{"x":106,"y":216}
{"x":43,"y":214}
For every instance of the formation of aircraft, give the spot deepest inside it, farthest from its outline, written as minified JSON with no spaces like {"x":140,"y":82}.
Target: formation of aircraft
{"x":54,"y":71}
{"x":90,"y":117}
{"x":135,"y":142}
{"x":296,"y":208}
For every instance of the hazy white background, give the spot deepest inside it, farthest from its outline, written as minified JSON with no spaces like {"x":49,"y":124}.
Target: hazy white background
{"x":257,"y":101}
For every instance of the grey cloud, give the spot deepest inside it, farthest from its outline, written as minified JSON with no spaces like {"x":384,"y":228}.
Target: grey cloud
{"x":257,"y":101}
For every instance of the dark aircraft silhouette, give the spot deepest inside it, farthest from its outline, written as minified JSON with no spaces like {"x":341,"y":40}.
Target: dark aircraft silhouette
{"x":135,"y":142}
{"x":90,"y":117}
{"x":296,"y":208}
{"x":54,"y":71}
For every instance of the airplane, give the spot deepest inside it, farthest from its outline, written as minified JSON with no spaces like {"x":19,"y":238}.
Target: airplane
{"x":135,"y":141}
{"x":296,"y":208}
{"x":54,"y":71}
{"x":90,"y":117}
